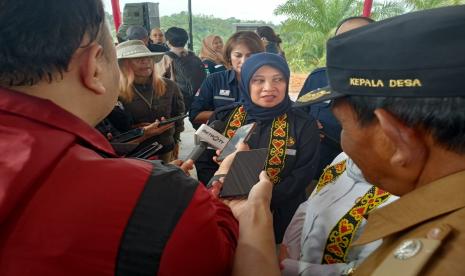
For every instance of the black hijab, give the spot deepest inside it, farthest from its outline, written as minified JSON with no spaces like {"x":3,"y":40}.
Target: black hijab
{"x":250,"y":66}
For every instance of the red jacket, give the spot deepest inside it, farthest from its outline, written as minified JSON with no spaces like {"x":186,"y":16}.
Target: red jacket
{"x":67,"y":210}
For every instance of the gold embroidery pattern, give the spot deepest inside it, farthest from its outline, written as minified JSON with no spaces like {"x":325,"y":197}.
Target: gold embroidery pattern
{"x":313,"y":95}
{"x":342,"y":234}
{"x":277,"y":148}
{"x":290,"y":141}
{"x":330,"y":174}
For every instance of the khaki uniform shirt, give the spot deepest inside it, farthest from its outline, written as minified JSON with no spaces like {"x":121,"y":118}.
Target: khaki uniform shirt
{"x":423,"y":232}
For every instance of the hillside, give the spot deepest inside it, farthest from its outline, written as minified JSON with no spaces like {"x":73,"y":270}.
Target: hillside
{"x":202,"y":25}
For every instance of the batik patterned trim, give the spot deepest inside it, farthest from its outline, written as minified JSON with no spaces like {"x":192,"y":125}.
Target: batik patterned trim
{"x":236,"y":120}
{"x":342,"y":234}
{"x":330,"y":174}
{"x":277,"y":148}
{"x":278,"y":140}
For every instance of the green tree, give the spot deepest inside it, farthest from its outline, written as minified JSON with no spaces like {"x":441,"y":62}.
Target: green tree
{"x":111,"y":24}
{"x":429,"y":4}
{"x":203,"y":26}
{"x":311,"y":23}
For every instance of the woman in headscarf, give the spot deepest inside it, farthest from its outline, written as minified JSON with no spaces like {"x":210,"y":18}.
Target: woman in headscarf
{"x":211,"y":54}
{"x":221,"y":89}
{"x":148,"y":97}
{"x":289,"y":134}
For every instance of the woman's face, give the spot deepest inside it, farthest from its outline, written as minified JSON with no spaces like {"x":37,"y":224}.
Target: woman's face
{"x":267,"y":87}
{"x":217,"y":44}
{"x":157,"y":36}
{"x":238,"y":56}
{"x":142,"y":67}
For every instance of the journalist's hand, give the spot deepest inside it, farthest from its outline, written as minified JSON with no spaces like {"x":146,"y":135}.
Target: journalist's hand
{"x":260,"y":195}
{"x":226,"y":163}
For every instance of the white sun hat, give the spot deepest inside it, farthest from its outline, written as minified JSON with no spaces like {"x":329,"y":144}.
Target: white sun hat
{"x":135,"y":49}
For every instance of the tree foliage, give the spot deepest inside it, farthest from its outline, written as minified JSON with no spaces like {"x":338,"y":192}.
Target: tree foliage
{"x":202,"y":26}
{"x":312,"y":22}
{"x":429,"y":4}
{"x":309,"y":25}
{"x":111,"y":24}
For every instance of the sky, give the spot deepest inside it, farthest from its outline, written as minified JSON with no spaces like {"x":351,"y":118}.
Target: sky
{"x":241,"y":9}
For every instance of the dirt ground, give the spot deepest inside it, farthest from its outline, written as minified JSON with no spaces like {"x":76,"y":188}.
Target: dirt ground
{"x":297,"y":81}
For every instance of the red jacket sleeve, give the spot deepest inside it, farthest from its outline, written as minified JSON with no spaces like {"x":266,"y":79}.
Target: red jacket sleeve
{"x":204,"y":240}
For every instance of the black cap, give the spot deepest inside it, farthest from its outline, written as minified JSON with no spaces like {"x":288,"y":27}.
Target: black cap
{"x":419,"y":54}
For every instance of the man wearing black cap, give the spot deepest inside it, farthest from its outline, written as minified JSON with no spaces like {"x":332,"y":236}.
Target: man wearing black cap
{"x":399,"y":91}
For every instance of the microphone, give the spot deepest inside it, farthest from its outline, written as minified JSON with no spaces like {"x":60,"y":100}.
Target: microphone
{"x":209,"y":136}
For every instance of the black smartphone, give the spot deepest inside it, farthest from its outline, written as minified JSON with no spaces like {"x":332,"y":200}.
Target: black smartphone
{"x":242,"y":135}
{"x":128,"y":136}
{"x":171,"y":120}
{"x":123,"y":148}
{"x":244,"y":173}
{"x":146,"y":152}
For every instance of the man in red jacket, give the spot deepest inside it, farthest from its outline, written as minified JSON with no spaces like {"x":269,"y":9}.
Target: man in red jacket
{"x":68,"y":205}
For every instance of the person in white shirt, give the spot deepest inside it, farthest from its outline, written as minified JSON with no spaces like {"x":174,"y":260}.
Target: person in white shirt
{"x":317,"y":241}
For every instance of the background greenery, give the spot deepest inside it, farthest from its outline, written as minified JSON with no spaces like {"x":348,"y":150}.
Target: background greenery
{"x":310,"y":23}
{"x":202,"y":25}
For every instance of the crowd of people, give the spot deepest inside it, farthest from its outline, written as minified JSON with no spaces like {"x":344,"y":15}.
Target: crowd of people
{"x":363,"y":172}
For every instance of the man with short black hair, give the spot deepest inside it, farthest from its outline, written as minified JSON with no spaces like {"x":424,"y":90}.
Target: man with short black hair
{"x":181,"y":65}
{"x":68,"y":205}
{"x":398,"y":91}
{"x":176,"y":39}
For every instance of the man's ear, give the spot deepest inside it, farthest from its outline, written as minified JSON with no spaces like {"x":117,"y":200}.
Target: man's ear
{"x":408,"y":144}
{"x":91,"y":68}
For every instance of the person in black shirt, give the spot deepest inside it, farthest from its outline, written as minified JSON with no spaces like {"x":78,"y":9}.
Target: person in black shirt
{"x":157,"y":41}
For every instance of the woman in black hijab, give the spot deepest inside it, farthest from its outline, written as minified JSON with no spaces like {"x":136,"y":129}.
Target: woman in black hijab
{"x":291,"y":137}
